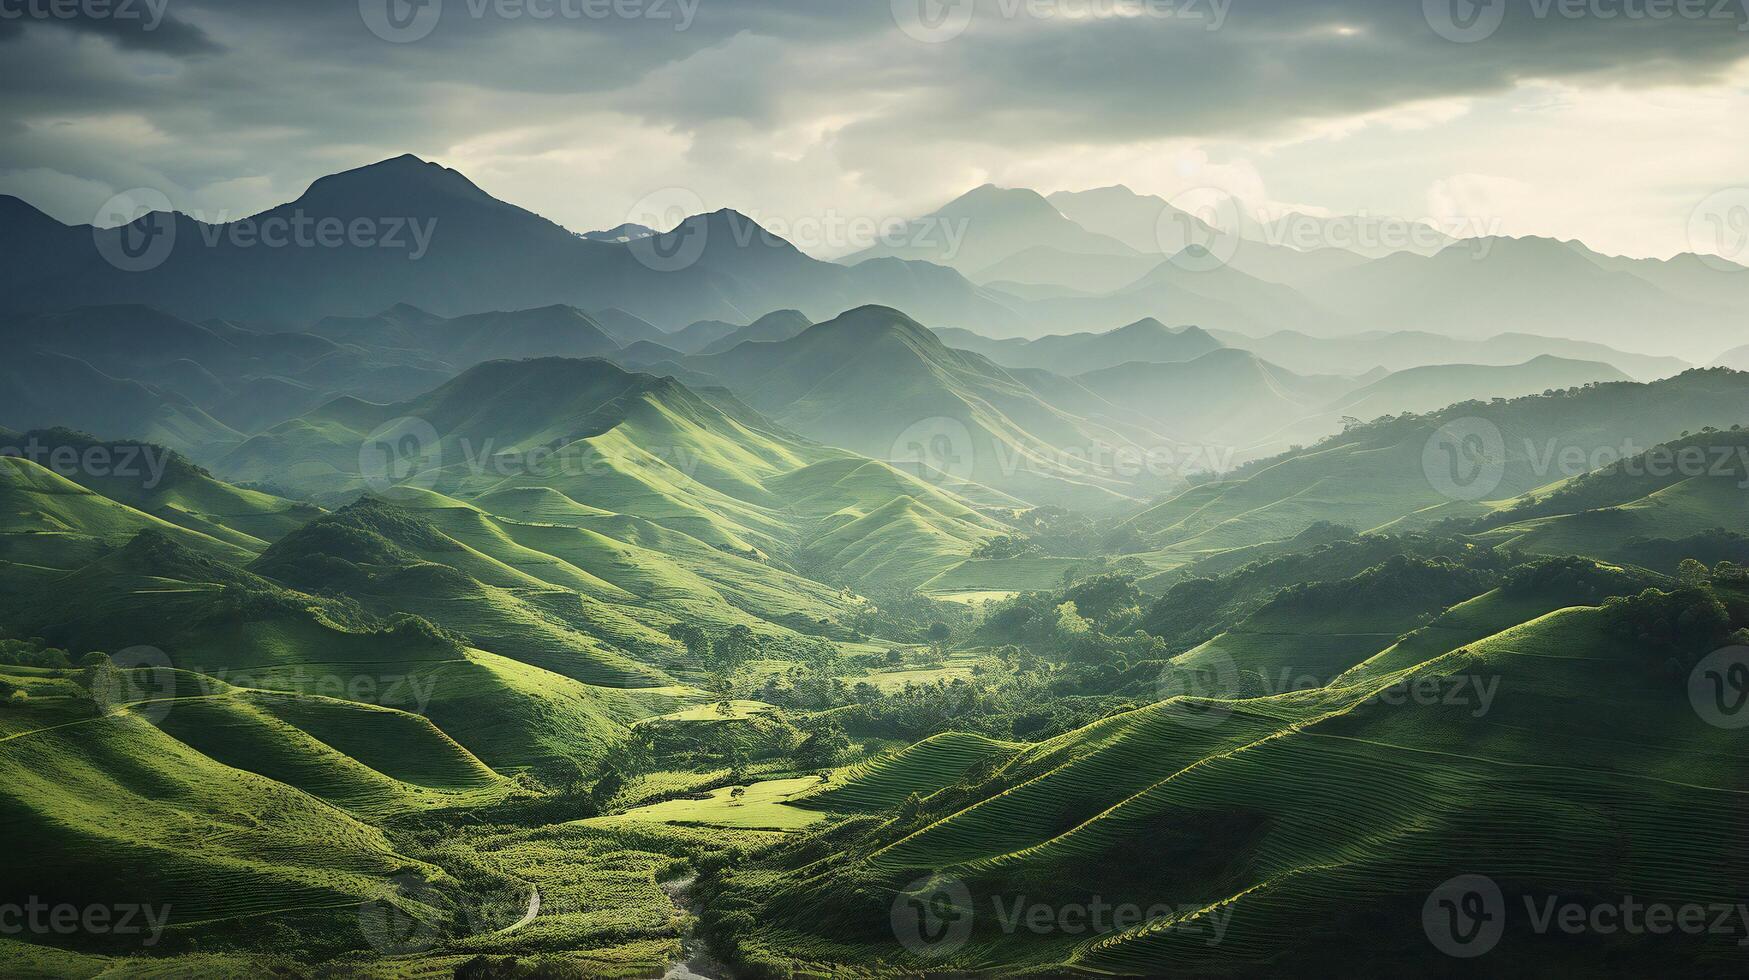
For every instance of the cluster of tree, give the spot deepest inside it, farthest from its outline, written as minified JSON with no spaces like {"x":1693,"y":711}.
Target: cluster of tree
{"x":1196,"y":609}
{"x":1710,"y":547}
{"x":1006,"y":546}
{"x":720,"y":655}
{"x":1581,"y":578}
{"x":1675,"y":629}
{"x":33,"y":652}
{"x":1427,"y":581}
{"x":904,"y":616}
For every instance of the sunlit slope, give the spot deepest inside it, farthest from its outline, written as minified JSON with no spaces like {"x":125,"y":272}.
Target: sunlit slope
{"x":1305,"y":636}
{"x":226,"y":623}
{"x":1676,"y":490}
{"x":665,"y":574}
{"x":48,"y":520}
{"x":1395,"y":470}
{"x":119,"y":812}
{"x":585,"y":444}
{"x":1294,"y":820}
{"x":393,"y":561}
{"x":885,"y":781}
{"x":166,"y":485}
{"x":873,"y":380}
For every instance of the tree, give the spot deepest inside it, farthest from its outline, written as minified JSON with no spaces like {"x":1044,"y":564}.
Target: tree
{"x":737,"y":646}
{"x":821,"y":657}
{"x":823,"y":743}
{"x":939,"y":632}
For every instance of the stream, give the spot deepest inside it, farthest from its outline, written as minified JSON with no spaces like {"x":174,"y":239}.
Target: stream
{"x":696,"y":962}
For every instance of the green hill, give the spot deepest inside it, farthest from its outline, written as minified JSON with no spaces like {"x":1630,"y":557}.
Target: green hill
{"x":586,"y":445}
{"x":874,"y":381}
{"x":1393,"y":473}
{"x":1253,"y":821}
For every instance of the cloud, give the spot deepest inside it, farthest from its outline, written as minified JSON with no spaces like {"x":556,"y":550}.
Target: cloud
{"x":786,"y":105}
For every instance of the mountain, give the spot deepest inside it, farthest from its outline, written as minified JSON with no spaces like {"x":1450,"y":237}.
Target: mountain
{"x":1049,"y":266}
{"x":1131,"y":218}
{"x":436,"y":241}
{"x":696,"y":336}
{"x":1226,"y":397}
{"x":1144,"y":340}
{"x":986,"y":225}
{"x":1401,"y":349}
{"x":1460,"y":462}
{"x":1737,"y":359}
{"x":626,"y":329}
{"x":462,"y":342}
{"x":1427,"y":389}
{"x":770,"y":328}
{"x":1140,"y":220}
{"x":40,"y":389}
{"x":877,"y":382}
{"x":1483,"y":287}
{"x":588,"y":445}
{"x":1194,"y":287}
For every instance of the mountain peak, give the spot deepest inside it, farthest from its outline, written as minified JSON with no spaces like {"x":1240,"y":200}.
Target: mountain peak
{"x":395,"y":179}
{"x":988,"y":200}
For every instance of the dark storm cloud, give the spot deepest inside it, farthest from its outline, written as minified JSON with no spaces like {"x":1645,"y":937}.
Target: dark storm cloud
{"x":284,"y":90}
{"x":140,"y":25}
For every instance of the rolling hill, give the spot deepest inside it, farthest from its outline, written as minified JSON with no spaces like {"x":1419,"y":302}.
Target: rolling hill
{"x":1069,"y":354}
{"x":875,"y":381}
{"x":588,"y":445}
{"x":1231,"y":826}
{"x":1401,"y":472}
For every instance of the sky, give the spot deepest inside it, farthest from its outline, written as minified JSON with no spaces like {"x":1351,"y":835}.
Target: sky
{"x":1617,"y":122}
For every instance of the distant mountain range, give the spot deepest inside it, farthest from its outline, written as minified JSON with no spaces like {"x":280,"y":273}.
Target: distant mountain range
{"x":1002,"y":262}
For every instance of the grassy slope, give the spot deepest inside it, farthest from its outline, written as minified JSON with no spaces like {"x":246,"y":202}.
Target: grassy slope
{"x":1375,"y":476}
{"x":627,"y":451}
{"x":1300,"y":818}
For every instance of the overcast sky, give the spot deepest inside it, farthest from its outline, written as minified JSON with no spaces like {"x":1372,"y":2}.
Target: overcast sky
{"x":1605,"y":120}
